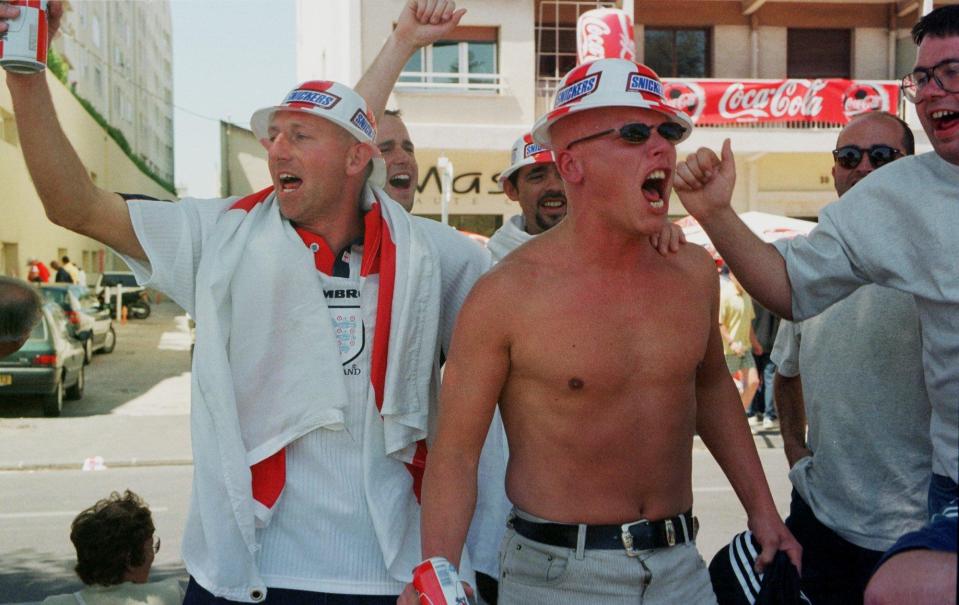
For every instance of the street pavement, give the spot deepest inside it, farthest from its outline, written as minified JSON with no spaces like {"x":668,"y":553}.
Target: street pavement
{"x":133,"y":424}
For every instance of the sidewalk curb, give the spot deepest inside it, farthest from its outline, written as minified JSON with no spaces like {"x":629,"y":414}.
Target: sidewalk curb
{"x":768,"y":440}
{"x":109,"y":464}
{"x":763,"y":440}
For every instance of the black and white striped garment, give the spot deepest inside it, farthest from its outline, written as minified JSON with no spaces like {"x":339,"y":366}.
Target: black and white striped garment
{"x":736,"y":582}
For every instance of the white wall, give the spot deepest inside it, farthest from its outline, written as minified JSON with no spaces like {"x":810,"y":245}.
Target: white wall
{"x":328,"y":40}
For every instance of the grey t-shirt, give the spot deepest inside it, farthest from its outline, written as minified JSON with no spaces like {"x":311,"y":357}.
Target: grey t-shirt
{"x":868,"y":415}
{"x":896,"y":228}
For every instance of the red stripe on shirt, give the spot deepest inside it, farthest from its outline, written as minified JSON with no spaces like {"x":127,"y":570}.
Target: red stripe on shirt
{"x":269,"y":477}
{"x":249,"y":202}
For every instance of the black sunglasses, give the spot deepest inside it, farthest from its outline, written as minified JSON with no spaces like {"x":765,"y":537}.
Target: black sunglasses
{"x":638,"y":132}
{"x":849,"y":156}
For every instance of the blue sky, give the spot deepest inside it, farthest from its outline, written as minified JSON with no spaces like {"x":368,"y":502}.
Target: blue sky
{"x":230,"y":57}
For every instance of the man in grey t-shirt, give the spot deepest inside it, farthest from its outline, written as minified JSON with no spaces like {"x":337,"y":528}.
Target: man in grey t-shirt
{"x":861,"y":481}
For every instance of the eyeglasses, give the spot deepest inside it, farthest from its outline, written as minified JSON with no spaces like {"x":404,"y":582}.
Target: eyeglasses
{"x":945,"y":73}
{"x":637,"y":133}
{"x":156,"y":544}
{"x":849,"y":156}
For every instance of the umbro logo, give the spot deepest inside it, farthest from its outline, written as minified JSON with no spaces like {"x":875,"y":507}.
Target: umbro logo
{"x":341,"y":293}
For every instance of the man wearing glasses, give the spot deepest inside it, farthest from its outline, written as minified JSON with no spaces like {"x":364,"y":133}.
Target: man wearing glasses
{"x":605,"y":358}
{"x":896,"y":228}
{"x":861,"y":482}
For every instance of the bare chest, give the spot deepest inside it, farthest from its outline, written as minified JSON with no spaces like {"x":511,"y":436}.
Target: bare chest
{"x":610,"y":334}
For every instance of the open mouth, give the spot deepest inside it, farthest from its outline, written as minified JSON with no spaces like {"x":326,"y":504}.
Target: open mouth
{"x":944,"y":119}
{"x":552,"y":201}
{"x":654,"y":188}
{"x":289,"y":182}
{"x":400,"y":181}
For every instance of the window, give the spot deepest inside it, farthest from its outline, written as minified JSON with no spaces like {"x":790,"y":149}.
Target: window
{"x":678,"y":53}
{"x":556,"y":39}
{"x":557,"y":51}
{"x":467,"y":61}
{"x":818,"y":53}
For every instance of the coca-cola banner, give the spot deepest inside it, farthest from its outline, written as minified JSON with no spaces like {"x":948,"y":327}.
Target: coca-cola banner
{"x":833,"y":101}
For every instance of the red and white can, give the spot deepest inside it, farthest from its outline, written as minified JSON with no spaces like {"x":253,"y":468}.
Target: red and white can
{"x":23,"y":47}
{"x":604,"y":33}
{"x":438,"y":583}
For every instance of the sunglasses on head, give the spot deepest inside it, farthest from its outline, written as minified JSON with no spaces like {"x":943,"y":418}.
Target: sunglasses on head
{"x":849,"y":156}
{"x":637,"y":133}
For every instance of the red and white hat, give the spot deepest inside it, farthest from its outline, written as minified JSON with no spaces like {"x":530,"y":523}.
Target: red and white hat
{"x":526,"y":152}
{"x":332,"y":101}
{"x":327,"y":99}
{"x":608,"y":83}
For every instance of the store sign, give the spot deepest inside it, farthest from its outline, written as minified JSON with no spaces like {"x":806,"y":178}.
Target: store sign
{"x":833,"y":101}
{"x":466,"y":183}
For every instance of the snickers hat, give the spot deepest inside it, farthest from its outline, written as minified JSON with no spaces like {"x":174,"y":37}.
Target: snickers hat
{"x":526,"y":152}
{"x":608,"y":83}
{"x":331,"y":101}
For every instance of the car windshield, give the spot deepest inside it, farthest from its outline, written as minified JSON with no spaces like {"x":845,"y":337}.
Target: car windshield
{"x":57,"y":295}
{"x":127,"y":280}
{"x":39,"y":331}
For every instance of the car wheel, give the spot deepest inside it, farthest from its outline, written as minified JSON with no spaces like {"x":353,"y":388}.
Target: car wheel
{"x":76,"y":391}
{"x":88,"y":350}
{"x":109,"y":342}
{"x":53,"y":403}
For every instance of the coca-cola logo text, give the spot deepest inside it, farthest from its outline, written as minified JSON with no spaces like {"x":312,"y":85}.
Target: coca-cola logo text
{"x":789,"y":99}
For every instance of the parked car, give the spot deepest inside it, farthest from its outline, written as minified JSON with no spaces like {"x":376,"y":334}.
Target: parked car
{"x":90,"y":320}
{"x":49,"y":365}
{"x":134,"y":295}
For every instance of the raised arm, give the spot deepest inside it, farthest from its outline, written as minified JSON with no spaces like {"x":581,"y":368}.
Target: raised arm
{"x":722,"y":427}
{"x":421,"y":23}
{"x":705,"y":187}
{"x":69,"y":196}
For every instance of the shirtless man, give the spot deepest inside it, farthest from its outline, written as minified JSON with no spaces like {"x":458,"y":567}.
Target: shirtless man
{"x":606,"y":358}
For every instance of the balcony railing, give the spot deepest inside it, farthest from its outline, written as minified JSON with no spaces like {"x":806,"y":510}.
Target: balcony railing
{"x":450,"y":81}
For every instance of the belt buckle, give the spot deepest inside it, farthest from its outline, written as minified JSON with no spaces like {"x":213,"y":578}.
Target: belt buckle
{"x":627,"y":537}
{"x":670,"y":532}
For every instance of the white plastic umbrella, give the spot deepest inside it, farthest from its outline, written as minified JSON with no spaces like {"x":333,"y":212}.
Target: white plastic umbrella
{"x":769,"y":227}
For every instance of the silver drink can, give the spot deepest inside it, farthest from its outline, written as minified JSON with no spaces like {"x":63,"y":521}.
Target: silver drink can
{"x":23,"y":47}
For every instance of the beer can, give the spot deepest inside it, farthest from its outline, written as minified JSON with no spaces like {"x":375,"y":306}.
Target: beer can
{"x":23,"y":47}
{"x":604,"y":33}
{"x":438,"y":583}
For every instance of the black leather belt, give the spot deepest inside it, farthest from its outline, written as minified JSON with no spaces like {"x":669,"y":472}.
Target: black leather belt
{"x":633,"y":537}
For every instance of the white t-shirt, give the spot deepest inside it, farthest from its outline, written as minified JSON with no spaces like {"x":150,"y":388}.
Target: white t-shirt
{"x":895,"y":228}
{"x":868,"y":415}
{"x":175,"y":237}
{"x":319,"y":539}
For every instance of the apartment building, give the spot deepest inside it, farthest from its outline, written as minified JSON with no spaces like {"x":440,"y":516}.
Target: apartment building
{"x":777,"y":78}
{"x":25,"y":231}
{"x":120,"y":60}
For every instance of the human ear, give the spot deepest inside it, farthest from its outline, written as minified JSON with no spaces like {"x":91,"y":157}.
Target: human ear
{"x":358,"y":157}
{"x":510,"y":191}
{"x":570,"y":167}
